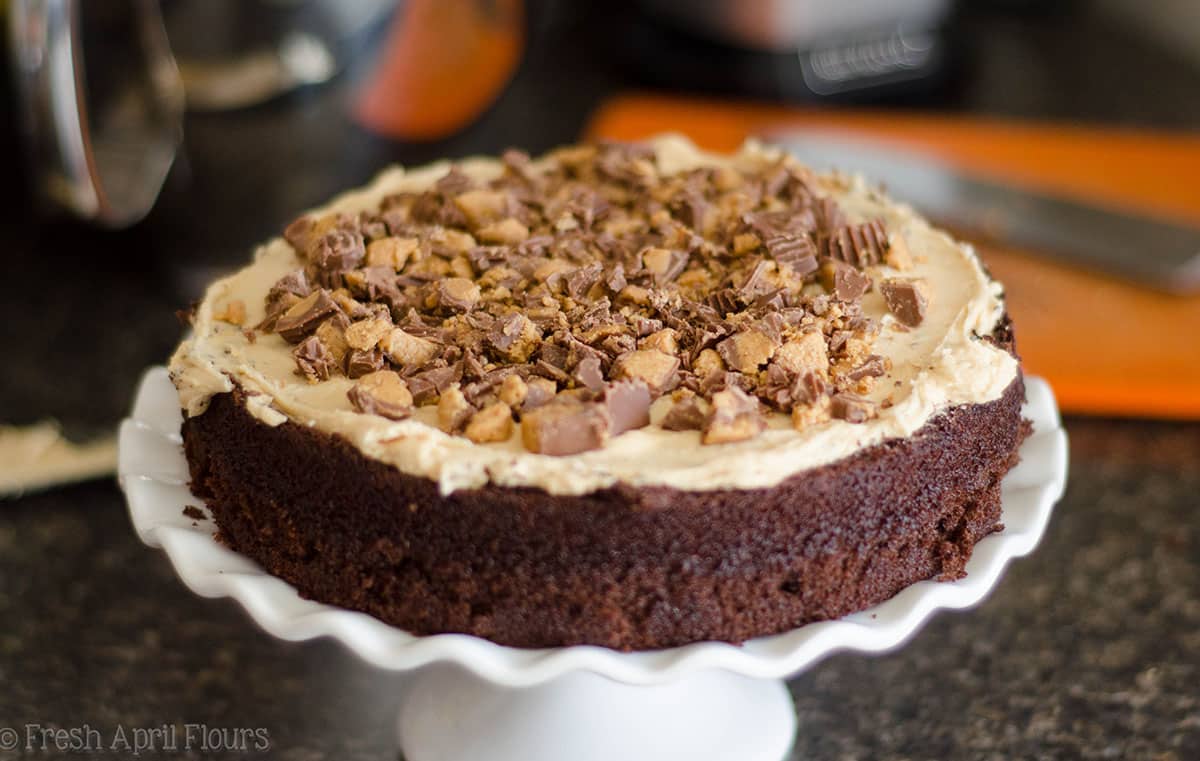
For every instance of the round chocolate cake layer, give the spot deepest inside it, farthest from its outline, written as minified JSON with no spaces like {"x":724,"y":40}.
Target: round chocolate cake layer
{"x":632,"y":395}
{"x":628,"y":568}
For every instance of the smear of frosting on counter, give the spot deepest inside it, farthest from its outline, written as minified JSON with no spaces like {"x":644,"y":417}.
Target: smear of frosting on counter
{"x":37,"y":457}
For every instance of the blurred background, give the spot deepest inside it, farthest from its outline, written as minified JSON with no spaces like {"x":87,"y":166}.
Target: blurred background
{"x":219,"y":121}
{"x":148,"y":146}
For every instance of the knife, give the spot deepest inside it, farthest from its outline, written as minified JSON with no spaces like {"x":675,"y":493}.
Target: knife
{"x":1158,"y":252}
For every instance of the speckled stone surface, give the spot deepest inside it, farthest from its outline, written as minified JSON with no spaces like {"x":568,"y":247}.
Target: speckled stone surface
{"x":1089,"y":648}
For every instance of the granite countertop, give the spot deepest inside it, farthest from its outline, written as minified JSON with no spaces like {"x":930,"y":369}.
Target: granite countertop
{"x":1086,"y":649}
{"x":1089,"y":648}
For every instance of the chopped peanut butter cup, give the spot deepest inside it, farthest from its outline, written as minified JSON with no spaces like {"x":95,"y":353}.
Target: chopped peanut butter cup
{"x":595,"y":279}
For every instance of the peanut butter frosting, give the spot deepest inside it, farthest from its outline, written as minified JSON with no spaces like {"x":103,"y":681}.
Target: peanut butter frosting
{"x":894,"y":311}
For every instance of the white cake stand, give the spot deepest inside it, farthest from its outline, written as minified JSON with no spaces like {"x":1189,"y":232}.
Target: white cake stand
{"x":472,"y":699}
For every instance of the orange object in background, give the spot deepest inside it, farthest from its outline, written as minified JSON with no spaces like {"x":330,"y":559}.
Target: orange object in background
{"x":1108,"y":346}
{"x":443,"y":64}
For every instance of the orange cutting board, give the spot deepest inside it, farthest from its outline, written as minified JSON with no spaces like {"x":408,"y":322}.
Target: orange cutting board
{"x":1107,"y":346}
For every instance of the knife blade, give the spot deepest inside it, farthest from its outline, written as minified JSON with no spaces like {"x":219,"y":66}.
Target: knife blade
{"x":1159,"y":252}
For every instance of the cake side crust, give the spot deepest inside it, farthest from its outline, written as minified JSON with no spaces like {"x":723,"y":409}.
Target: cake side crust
{"x":628,"y":568}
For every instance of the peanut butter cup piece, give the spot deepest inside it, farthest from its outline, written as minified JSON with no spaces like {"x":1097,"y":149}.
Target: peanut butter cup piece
{"x":851,"y":408}
{"x":811,"y":413}
{"x":482,"y":207}
{"x":390,"y":252}
{"x":860,"y":245}
{"x":299,"y":232}
{"x":844,"y":281}
{"x":513,"y":391}
{"x":538,"y":391}
{"x":664,"y":264}
{"x":364,"y":335}
{"x":747,"y":350}
{"x":734,"y":416}
{"x":797,"y":252}
{"x":382,"y":393}
{"x":688,"y":412}
{"x":313,"y":360}
{"x":654,"y":368}
{"x":589,"y":374}
{"x":871,"y":367}
{"x":372,"y":283}
{"x":628,"y":406}
{"x":332,"y":335}
{"x":360,"y":363}
{"x":665,"y":340}
{"x":491,"y":424}
{"x":427,"y":385}
{"x":457,"y":294}
{"x":508,"y":231}
{"x":407,"y":350}
{"x":744,"y":243}
{"x":515,"y":338}
{"x":305,"y":315}
{"x":453,"y":410}
{"x":337,"y":251}
{"x":907,"y":299}
{"x":708,"y":363}
{"x":804,"y":353}
{"x":581,"y":281}
{"x":286,"y":291}
{"x":564,"y":427}
{"x":615,"y":279}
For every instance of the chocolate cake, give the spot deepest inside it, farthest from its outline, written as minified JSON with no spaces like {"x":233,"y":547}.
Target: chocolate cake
{"x":631,"y":395}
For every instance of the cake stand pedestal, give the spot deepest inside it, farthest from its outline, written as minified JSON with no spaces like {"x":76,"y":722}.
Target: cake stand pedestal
{"x":453,"y":715}
{"x":473,"y":699}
